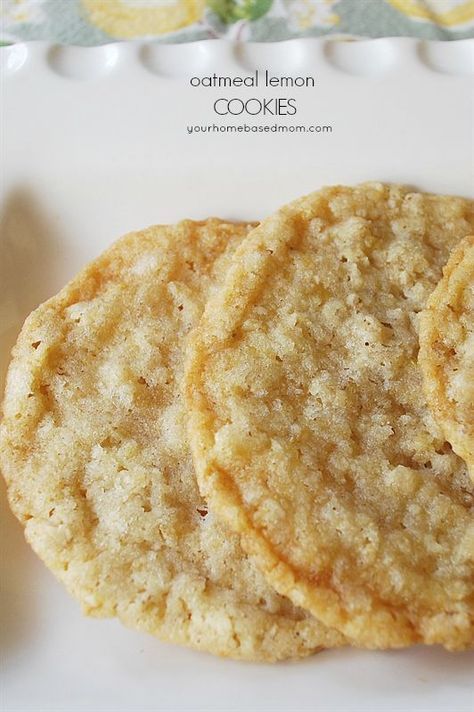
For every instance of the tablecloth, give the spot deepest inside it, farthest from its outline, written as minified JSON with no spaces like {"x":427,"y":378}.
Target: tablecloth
{"x":94,"y":22}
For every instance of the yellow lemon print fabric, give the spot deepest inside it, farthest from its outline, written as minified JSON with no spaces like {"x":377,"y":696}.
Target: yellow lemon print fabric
{"x":95,"y":22}
{"x":126,"y":19}
{"x":446,"y":13}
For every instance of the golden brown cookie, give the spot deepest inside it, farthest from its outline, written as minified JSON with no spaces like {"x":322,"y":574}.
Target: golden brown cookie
{"x":94,"y":450}
{"x":447,"y":351}
{"x":308,"y":424}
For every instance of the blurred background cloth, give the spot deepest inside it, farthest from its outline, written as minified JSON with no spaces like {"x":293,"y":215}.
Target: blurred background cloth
{"x":93,"y":22}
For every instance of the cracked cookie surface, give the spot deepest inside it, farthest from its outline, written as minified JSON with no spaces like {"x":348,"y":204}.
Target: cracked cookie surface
{"x":447,"y":351}
{"x":94,"y":451}
{"x":309,"y":429}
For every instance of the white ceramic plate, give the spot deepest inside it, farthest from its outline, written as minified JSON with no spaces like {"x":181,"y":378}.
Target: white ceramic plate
{"x":95,"y":144}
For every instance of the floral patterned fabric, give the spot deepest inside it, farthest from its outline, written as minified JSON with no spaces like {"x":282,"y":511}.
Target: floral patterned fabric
{"x":93,"y":22}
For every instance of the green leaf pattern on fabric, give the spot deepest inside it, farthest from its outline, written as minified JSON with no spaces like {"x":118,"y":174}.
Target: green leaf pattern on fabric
{"x":232,"y":10}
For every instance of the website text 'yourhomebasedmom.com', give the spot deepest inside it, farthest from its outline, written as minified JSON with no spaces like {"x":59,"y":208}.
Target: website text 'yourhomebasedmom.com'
{"x":258,"y":128}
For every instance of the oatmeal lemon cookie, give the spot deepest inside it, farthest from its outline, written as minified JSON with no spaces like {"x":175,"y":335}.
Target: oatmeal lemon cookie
{"x":447,"y":351}
{"x":308,"y":425}
{"x":94,"y":451}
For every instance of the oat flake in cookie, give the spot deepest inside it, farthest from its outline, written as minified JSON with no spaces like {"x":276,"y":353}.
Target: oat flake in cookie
{"x":447,"y":351}
{"x":309,"y":428}
{"x":95,"y":454}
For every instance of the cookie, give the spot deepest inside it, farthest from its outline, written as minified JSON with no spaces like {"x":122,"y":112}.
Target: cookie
{"x":447,"y":351}
{"x":309,"y":429}
{"x":94,"y":451}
